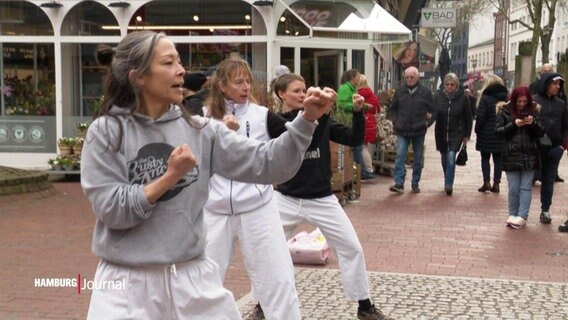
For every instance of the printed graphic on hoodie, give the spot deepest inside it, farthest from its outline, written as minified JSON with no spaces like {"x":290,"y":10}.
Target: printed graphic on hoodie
{"x":151,"y":162}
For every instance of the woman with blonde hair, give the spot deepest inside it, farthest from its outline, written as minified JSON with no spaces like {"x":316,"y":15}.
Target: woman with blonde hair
{"x":246,"y":211}
{"x":372,"y":107}
{"x":453,"y":126}
{"x":489,"y":144}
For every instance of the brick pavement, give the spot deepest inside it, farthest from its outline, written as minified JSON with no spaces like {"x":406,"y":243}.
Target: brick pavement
{"x":429,"y":234}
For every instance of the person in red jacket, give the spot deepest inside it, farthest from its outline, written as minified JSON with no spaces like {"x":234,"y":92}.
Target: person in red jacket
{"x":372,"y":107}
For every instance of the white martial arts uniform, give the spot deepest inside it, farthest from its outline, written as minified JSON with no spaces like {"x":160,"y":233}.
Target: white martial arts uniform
{"x":327,"y":214}
{"x":247,"y":212}
{"x":191,"y":290}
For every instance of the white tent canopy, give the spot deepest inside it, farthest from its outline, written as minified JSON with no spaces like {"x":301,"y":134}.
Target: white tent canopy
{"x":379,"y":20}
{"x":357,"y":16}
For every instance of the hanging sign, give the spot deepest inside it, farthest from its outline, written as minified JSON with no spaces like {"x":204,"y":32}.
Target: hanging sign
{"x":438,"y":18}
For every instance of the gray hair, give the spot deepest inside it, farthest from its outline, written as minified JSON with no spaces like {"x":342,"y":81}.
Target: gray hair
{"x":452,"y":77}
{"x":133,"y":53}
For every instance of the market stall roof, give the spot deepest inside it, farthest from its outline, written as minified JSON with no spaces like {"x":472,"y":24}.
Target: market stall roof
{"x":349,"y":17}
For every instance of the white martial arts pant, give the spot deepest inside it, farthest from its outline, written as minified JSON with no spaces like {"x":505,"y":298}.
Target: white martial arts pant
{"x":191,"y":290}
{"x":327,"y":214}
{"x":265,"y":255}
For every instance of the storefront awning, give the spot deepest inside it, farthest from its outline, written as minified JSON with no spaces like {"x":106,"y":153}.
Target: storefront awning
{"x":348,"y":19}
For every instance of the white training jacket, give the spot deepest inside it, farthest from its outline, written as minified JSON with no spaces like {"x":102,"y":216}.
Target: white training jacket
{"x":231,"y":197}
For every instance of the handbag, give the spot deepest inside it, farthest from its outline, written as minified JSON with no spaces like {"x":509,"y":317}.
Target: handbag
{"x":461,"y":159}
{"x":544,"y":143}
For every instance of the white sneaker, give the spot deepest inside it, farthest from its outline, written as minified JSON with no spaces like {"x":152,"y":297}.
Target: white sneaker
{"x":518,"y":223}
{"x":510,"y":220}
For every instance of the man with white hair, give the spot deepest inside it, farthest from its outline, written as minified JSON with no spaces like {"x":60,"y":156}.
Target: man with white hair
{"x":412,"y":111}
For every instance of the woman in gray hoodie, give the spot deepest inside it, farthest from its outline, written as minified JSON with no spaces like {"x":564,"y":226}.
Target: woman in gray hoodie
{"x":145,"y":169}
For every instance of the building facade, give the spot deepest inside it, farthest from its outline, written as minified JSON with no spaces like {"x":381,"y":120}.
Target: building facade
{"x":51,"y":81}
{"x":480,"y":63}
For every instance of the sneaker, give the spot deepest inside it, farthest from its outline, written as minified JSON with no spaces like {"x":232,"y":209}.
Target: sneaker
{"x":563,"y":227}
{"x":257,"y":313}
{"x":518,"y":223}
{"x":372,"y":314}
{"x":368,"y":176}
{"x":415,"y":188}
{"x":545,"y":217}
{"x":558,"y":179}
{"x":397,"y":188}
{"x":510,"y":220}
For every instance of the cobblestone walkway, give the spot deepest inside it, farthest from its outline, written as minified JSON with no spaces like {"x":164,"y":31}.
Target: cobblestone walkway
{"x":404,"y":296}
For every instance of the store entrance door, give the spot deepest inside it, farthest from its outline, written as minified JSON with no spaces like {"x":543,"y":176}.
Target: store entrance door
{"x":328,"y":67}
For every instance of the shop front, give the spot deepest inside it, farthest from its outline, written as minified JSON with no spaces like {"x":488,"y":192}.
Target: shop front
{"x":51,"y":83}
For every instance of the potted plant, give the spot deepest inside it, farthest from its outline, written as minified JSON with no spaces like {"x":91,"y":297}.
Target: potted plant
{"x":82,"y":129}
{"x":68,"y":163}
{"x":54,"y":163}
{"x":65,"y":145}
{"x":78,"y":146}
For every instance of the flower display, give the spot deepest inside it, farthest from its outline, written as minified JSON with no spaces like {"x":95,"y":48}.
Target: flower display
{"x":23,"y":97}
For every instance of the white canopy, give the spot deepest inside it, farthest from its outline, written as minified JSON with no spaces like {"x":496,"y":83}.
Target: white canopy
{"x":356,"y":16}
{"x":379,"y":20}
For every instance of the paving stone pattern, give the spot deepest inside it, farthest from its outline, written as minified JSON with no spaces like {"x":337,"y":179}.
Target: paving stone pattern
{"x":417,"y":297}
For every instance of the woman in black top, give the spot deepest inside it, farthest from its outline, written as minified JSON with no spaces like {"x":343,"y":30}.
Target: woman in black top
{"x":488,"y":143}
{"x":517,"y":121}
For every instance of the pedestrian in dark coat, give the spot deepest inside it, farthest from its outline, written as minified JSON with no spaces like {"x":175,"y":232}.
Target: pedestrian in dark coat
{"x":488,"y":143}
{"x":554,"y":115}
{"x":453,"y":126}
{"x":518,"y":121}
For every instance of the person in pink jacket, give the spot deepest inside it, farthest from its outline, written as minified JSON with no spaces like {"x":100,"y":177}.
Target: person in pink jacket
{"x":372,"y":107}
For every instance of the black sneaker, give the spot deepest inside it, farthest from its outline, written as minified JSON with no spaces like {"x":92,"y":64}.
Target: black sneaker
{"x":371,"y":314}
{"x":415,"y":188}
{"x":257,"y":313}
{"x":563,"y":227}
{"x":397,"y":188}
{"x":545,"y":217}
{"x":368,"y":176}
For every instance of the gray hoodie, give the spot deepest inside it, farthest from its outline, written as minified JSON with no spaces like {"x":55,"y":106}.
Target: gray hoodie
{"x":131,"y":231}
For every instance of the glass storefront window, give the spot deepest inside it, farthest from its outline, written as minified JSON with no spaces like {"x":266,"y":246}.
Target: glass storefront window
{"x":82,"y":77}
{"x":289,"y":25}
{"x":322,"y":67}
{"x":287,"y":57}
{"x":205,"y":56}
{"x":89,"y":18}
{"x":195,"y":18}
{"x":28,"y":84}
{"x":199,"y":18}
{"x":27,"y":102}
{"x":21,"y":18}
{"x":358,"y":60}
